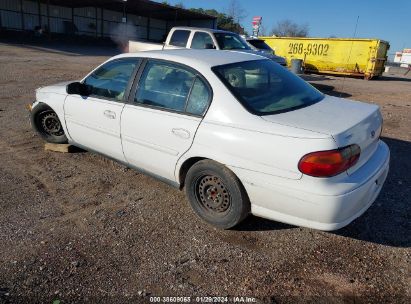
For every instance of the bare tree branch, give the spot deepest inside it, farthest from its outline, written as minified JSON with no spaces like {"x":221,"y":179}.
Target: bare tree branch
{"x":263,"y":30}
{"x":236,"y":11}
{"x":288,"y":28}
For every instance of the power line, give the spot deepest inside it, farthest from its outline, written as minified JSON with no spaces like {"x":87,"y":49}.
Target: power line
{"x":349,"y":54}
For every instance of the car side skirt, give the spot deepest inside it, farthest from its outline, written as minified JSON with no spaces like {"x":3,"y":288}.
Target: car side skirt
{"x":153,"y":175}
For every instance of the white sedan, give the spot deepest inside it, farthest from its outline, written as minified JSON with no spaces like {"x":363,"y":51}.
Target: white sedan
{"x":237,"y":131}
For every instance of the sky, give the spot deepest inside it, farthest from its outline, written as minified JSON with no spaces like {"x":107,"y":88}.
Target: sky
{"x":382,"y":19}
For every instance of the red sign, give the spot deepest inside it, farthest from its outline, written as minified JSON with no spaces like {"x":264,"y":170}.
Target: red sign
{"x":256,"y":24}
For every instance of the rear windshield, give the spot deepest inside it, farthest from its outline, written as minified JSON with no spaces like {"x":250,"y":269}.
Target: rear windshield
{"x":265,"y":87}
{"x":259,"y":44}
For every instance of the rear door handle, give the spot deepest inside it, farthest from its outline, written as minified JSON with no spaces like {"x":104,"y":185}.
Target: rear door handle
{"x":110,"y":114}
{"x":183,"y":133}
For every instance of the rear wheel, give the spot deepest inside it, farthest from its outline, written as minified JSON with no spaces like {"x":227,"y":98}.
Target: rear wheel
{"x":216,"y":194}
{"x":47,"y":124}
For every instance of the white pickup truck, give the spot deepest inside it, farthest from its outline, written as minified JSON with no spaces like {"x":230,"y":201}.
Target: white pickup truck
{"x":202,"y":38}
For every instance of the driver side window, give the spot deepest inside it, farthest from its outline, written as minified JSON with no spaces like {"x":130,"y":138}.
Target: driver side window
{"x":110,"y":80}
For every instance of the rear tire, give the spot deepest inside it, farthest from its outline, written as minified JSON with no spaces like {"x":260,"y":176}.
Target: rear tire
{"x":216,"y":194}
{"x":47,"y":124}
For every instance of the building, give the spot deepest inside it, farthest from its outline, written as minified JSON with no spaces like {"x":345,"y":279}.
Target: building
{"x":403,"y":58}
{"x":131,"y":19}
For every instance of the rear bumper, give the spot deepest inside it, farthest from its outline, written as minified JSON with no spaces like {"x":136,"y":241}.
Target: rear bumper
{"x":324,"y":210}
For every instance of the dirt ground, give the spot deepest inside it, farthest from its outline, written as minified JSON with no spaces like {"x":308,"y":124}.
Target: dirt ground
{"x":79,"y":228}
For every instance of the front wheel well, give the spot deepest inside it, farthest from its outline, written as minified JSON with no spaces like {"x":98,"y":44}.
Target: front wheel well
{"x":41,"y":105}
{"x":47,"y":124}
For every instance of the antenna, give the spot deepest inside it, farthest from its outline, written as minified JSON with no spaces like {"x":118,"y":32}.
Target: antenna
{"x":356,"y":25}
{"x":349,"y":54}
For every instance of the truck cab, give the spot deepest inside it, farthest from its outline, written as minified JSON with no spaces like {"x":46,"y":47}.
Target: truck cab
{"x":203,"y":38}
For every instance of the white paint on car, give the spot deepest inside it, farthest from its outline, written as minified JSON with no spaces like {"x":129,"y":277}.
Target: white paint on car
{"x":262,"y":151}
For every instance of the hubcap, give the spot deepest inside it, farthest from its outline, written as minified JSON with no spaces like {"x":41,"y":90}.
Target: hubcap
{"x":51,"y":124}
{"x":212,"y":194}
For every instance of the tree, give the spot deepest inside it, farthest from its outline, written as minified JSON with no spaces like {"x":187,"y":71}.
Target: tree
{"x":179,"y":4}
{"x":224,"y":22}
{"x":263,"y":30}
{"x":288,"y":28}
{"x":236,"y":11}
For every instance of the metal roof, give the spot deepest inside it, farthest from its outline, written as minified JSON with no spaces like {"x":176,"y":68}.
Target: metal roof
{"x":145,"y":8}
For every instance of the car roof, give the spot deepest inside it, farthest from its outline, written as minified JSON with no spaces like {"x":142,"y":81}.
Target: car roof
{"x":196,"y":58}
{"x":203,"y":29}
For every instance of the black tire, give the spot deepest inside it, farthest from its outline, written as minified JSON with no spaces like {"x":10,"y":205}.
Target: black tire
{"x":216,"y":194}
{"x":47,"y":124}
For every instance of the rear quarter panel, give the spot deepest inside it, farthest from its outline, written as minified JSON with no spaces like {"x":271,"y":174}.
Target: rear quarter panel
{"x":249,"y":150}
{"x":138,"y":46}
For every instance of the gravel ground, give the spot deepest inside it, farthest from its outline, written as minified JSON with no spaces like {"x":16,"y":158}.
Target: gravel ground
{"x":80,"y":228}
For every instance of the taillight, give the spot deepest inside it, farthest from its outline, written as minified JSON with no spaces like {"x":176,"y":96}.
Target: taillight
{"x":329,"y":163}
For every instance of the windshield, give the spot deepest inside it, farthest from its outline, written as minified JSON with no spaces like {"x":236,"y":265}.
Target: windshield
{"x":264,"y":87}
{"x":259,"y":44}
{"x":228,"y":41}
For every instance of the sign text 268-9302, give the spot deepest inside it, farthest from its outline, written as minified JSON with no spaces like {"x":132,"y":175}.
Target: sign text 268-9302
{"x":315,"y":49}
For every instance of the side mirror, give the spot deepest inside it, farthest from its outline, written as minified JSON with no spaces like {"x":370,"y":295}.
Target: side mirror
{"x":209,"y":46}
{"x":78,"y":88}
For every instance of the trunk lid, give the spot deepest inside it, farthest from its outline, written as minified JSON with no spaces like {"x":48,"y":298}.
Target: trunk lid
{"x":348,"y":122}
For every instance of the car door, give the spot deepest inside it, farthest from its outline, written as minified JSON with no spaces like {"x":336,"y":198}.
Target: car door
{"x":160,"y":121}
{"x":94,"y":121}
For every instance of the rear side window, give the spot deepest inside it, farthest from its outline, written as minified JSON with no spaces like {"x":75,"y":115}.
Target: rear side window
{"x":179,"y":38}
{"x":173,"y":87}
{"x":199,"y":98}
{"x":165,"y":86}
{"x":110,"y":80}
{"x":201,"y":40}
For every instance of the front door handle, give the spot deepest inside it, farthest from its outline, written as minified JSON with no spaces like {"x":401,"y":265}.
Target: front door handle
{"x":183,"y":133}
{"x":110,"y":114}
